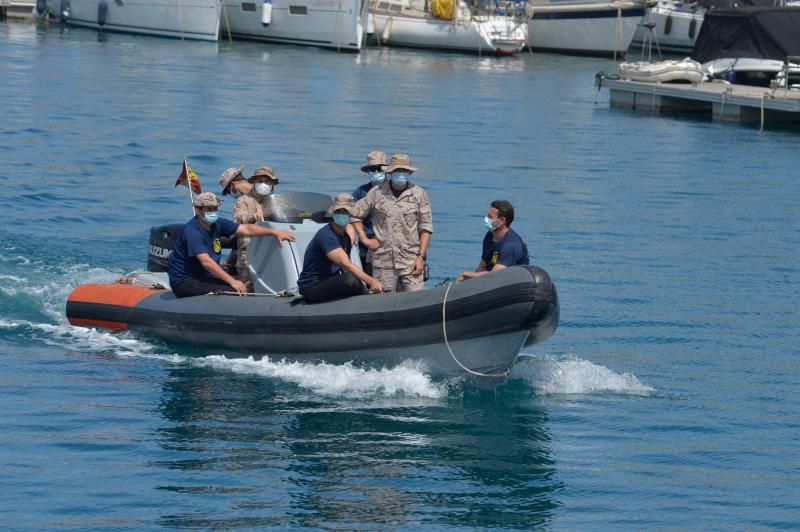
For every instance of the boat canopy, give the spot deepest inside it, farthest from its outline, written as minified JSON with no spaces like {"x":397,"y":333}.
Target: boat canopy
{"x":753,"y":32}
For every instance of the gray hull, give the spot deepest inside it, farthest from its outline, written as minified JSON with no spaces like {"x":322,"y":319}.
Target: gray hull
{"x":488,"y":321}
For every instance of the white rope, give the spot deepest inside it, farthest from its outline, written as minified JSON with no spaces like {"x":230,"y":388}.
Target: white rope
{"x":449,"y":350}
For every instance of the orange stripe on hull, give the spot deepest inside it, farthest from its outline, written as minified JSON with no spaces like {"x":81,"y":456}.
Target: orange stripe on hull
{"x":99,"y":324}
{"x":118,"y":295}
{"x":123,"y":295}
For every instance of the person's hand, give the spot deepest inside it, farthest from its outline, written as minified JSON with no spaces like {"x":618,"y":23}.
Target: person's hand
{"x":460,"y":277}
{"x":284,"y":234}
{"x":238,"y":286}
{"x":419,"y":264}
{"x":372,"y":243}
{"x":375,"y":286}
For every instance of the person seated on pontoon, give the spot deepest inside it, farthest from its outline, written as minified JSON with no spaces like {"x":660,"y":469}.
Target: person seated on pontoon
{"x":328,"y":272}
{"x":502,"y":246}
{"x":193,"y":267}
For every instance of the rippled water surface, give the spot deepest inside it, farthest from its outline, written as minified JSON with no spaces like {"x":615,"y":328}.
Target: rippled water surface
{"x":668,"y":398}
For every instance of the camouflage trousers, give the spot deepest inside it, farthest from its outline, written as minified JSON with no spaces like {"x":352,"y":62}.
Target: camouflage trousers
{"x":398,"y":282}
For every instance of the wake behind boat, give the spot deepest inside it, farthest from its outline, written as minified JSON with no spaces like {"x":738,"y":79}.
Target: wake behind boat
{"x":475,"y":327}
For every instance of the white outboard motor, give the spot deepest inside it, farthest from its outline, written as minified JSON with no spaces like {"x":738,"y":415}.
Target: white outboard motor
{"x":266,"y":13}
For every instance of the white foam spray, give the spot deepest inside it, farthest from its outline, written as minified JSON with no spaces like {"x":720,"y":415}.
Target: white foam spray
{"x":570,"y":375}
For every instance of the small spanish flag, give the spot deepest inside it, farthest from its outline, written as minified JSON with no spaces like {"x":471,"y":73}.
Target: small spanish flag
{"x":189,"y":179}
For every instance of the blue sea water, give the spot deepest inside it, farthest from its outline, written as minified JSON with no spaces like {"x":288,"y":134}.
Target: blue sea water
{"x":667,"y":399}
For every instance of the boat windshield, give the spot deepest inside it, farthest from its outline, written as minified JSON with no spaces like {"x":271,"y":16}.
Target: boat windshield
{"x":294,"y":207}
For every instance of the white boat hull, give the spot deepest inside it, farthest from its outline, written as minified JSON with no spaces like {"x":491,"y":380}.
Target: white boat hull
{"x":184,"y":19}
{"x":492,"y":35}
{"x":584,"y":29}
{"x":674,"y":31}
{"x":339,"y":24}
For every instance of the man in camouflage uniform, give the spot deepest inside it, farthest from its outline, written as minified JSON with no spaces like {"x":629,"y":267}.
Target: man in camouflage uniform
{"x":246,"y":210}
{"x":402,"y":221}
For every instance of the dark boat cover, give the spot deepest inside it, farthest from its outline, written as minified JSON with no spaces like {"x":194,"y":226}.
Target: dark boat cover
{"x":752,"y":32}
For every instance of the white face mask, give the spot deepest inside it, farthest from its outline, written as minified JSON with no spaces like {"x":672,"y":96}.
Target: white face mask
{"x":263,"y":189}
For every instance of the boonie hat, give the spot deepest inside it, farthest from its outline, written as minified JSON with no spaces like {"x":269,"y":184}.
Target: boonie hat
{"x":343,"y":201}
{"x":206,"y":199}
{"x":400,"y":161}
{"x":375,"y":158}
{"x":228,"y":176}
{"x":264,"y":171}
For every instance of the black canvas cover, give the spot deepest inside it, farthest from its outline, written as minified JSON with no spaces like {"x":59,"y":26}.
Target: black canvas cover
{"x":754,"y":32}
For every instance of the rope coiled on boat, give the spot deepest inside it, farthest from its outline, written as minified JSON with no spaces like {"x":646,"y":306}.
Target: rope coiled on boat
{"x":449,"y":350}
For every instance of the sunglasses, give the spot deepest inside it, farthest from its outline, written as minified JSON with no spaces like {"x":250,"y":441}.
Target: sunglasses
{"x":209,"y":209}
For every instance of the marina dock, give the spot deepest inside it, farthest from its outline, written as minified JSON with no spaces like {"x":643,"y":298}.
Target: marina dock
{"x":16,"y":9}
{"x":725,"y":101}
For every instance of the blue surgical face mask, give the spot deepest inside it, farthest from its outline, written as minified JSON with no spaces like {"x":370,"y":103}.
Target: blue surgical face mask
{"x":211,"y":217}
{"x":400,"y":178}
{"x":341,"y":218}
{"x":488,"y":223}
{"x":376,"y":178}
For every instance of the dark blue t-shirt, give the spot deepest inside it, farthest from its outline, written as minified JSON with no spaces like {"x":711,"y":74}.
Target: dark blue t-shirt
{"x":509,"y":251}
{"x":359,"y":193}
{"x":195,"y":240}
{"x":316,"y":265}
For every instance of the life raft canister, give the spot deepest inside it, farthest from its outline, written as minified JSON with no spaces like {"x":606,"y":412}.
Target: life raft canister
{"x":266,"y":13}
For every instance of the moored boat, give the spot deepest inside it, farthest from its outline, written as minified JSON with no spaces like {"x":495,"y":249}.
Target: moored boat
{"x":446,"y":25}
{"x":475,"y":327}
{"x":184,"y":19}
{"x":339,"y":24}
{"x":584,"y":27}
{"x":675,"y":27}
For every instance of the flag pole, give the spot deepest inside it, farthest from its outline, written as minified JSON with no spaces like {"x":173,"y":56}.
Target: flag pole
{"x":188,"y":183}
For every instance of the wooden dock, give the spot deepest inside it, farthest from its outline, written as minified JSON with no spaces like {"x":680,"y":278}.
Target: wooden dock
{"x":724,"y":101}
{"x":16,"y":9}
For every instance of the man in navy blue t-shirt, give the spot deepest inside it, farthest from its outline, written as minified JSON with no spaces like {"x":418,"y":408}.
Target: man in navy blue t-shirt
{"x":194,"y":263}
{"x":502,"y":246}
{"x":328,"y":272}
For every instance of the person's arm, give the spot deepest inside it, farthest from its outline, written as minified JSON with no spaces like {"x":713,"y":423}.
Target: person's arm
{"x":480,"y":270}
{"x":258,"y":230}
{"x":216,"y":270}
{"x":419,"y":262}
{"x":338,"y":256}
{"x":371,"y":243}
{"x":363,"y":208}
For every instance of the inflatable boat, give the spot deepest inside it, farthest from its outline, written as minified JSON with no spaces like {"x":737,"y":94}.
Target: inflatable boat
{"x":685,"y":71}
{"x":475,"y":327}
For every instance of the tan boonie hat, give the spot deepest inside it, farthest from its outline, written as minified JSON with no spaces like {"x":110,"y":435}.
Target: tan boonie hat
{"x":400,"y":161}
{"x":227,"y":178}
{"x":375,"y":158}
{"x":206,"y":199}
{"x":343,"y":201}
{"x":264,"y":171}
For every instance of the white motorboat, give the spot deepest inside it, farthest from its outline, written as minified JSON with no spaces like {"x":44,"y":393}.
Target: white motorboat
{"x":339,"y":24}
{"x":686,"y":71}
{"x":420,"y":24}
{"x":184,"y":19}
{"x":675,"y":26}
{"x":584,"y":27}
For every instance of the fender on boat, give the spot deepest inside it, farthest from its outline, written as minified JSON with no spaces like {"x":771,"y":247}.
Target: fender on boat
{"x":102,"y":13}
{"x":105,"y":306}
